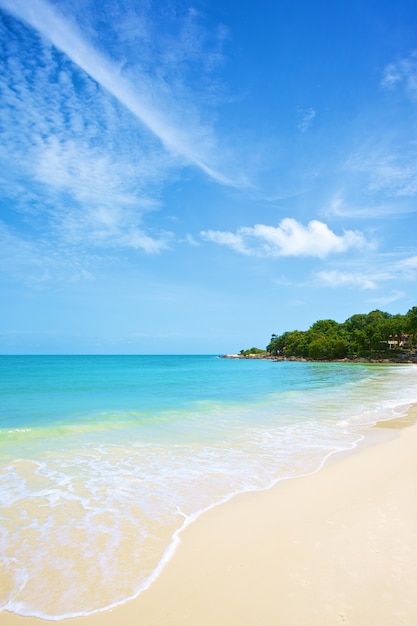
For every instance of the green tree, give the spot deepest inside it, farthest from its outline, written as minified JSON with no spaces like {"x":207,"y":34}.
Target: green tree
{"x":411,"y":324}
{"x":318,"y":348}
{"x":392,"y":330}
{"x":296,"y":343}
{"x":277,"y":343}
{"x":357,"y":342}
{"x":326,"y":327}
{"x":252,"y":351}
{"x":360,"y":335}
{"x":356,"y":322}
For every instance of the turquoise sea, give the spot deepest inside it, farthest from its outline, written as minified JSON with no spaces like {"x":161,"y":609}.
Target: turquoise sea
{"x":104,"y":459}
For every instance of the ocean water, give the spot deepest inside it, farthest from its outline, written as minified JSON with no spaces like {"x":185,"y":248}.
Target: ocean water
{"x":104,"y":459}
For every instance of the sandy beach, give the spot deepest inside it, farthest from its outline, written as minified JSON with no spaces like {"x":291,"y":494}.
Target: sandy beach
{"x":335,"y":547}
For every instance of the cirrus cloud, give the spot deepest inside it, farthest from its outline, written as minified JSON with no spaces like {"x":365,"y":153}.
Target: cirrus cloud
{"x":305,"y":118}
{"x":335,"y":278}
{"x":193,"y":142}
{"x":402,"y":72}
{"x":383,"y":270}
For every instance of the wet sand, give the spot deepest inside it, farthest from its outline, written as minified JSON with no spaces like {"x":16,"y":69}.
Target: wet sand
{"x":335,"y":547}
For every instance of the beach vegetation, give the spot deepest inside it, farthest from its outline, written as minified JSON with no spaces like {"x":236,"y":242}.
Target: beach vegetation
{"x":411,"y":325}
{"x":374,"y":335}
{"x":252,"y":351}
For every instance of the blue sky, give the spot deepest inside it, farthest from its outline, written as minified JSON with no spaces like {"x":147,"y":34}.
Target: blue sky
{"x":191,"y":177}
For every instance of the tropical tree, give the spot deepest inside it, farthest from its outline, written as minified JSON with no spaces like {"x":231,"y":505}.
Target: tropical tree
{"x":362,"y":334}
{"x":411,"y":324}
{"x":327,"y":327}
{"x":277,"y":343}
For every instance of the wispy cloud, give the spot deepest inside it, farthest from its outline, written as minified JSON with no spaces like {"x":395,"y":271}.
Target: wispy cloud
{"x":305,"y":118}
{"x":402,"y":73}
{"x":395,"y":174}
{"x":66,"y":37}
{"x":36,"y":263}
{"x":235,"y":241}
{"x":382,"y":270}
{"x":79,"y":188}
{"x":193,"y":140}
{"x":289,"y":238}
{"x":108,"y":203}
{"x":379,"y":177}
{"x":336,"y":278}
{"x":408,"y":267}
{"x":381,"y":180}
{"x":90,"y":138}
{"x":388,"y":298}
{"x":346,"y":204}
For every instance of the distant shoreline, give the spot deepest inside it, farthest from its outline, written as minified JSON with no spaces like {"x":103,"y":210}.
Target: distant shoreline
{"x":397,"y":360}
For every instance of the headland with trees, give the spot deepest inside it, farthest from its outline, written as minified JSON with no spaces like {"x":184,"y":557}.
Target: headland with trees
{"x":374,"y":336}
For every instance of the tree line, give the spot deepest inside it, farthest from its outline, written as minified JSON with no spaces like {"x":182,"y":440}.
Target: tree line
{"x":373,"y":335}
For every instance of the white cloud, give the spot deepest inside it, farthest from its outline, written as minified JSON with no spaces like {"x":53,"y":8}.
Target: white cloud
{"x":402,"y":72}
{"x":90,"y":175}
{"x":290,"y":238}
{"x":78,"y":169}
{"x":82,"y":196}
{"x":184,"y":135}
{"x":407,"y":268}
{"x":386,"y":162}
{"x":192,"y":241}
{"x":396,"y":175}
{"x":344,"y":207}
{"x":394,"y":296}
{"x":232,"y":240}
{"x":335,"y":278}
{"x":75,"y":164}
{"x":108,"y":200}
{"x":37,"y":263}
{"x":104,"y":227}
{"x":387,"y":171}
{"x":305,"y":117}
{"x":380,"y":271}
{"x":408,"y":264}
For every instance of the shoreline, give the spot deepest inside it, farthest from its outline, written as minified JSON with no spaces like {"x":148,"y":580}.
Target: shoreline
{"x":314,"y":542}
{"x":405,"y":359}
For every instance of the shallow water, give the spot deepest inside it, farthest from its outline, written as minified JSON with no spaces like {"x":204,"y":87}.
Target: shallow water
{"x":103,"y":459}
